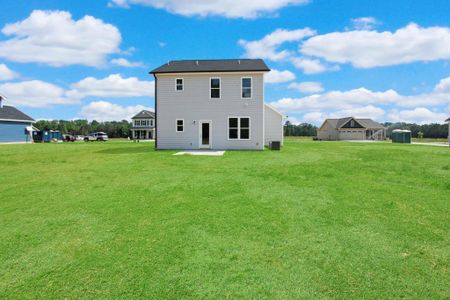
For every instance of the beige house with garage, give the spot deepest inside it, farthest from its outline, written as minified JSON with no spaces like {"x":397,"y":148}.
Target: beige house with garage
{"x":351,"y":128}
{"x":214,"y":104}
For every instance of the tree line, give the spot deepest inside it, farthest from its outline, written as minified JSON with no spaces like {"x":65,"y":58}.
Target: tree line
{"x":121,"y":129}
{"x":425,"y":130}
{"x":302,"y":129}
{"x":434,"y":131}
{"x":114,"y":129}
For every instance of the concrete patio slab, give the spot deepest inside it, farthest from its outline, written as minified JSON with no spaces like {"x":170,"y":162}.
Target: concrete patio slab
{"x":201,"y":152}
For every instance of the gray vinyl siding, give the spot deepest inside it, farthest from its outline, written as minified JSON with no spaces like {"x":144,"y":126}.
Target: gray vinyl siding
{"x":273,"y":126}
{"x":14,"y":132}
{"x":194,"y":104}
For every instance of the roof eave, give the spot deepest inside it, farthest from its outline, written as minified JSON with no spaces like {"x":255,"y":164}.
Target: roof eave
{"x":211,"y":71}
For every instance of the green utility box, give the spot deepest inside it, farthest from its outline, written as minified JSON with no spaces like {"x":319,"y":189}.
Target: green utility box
{"x":401,"y":136}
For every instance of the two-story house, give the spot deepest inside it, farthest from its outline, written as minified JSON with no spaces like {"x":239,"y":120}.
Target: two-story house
{"x":143,"y":126}
{"x":214,"y":104}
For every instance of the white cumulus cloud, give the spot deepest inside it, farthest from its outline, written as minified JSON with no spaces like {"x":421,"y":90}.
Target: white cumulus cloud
{"x":112,"y":86}
{"x":107,"y":111}
{"x":368,"y":49}
{"x":272,"y":47}
{"x":420,"y":115}
{"x":364,"y":23}
{"x":35,"y":93}
{"x":443,"y":86}
{"x":267,"y":47}
{"x":307,"y":87}
{"x":123,"y":62}
{"x":204,"y":8}
{"x":275,"y":76}
{"x":6,"y":73}
{"x":311,"y":66}
{"x":362,"y":102}
{"x":54,"y":38}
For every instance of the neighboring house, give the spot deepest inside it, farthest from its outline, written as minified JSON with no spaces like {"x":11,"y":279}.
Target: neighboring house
{"x":143,"y":126}
{"x":15,"y":126}
{"x":351,"y":129}
{"x":214,"y":104}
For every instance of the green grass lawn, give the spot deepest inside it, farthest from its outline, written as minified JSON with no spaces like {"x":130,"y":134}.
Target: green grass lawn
{"x":316,"y":220}
{"x":428,"y":140}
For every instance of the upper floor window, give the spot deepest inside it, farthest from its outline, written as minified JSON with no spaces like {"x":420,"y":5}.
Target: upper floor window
{"x":239,"y":128}
{"x":214,"y":84}
{"x":179,"y":84}
{"x":143,"y":123}
{"x":246,"y":87}
{"x":352,"y":123}
{"x":180,"y":125}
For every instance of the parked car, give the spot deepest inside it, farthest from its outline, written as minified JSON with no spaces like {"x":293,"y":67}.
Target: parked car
{"x":97,"y":136}
{"x":79,"y":138}
{"x":68,"y":138}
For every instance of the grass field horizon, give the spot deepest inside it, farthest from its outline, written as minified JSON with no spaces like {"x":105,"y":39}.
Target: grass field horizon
{"x":315,"y":220}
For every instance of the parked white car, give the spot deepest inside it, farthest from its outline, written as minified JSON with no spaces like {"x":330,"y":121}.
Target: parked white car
{"x":96,"y":136}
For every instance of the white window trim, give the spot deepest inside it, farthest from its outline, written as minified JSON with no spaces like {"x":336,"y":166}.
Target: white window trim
{"x":151,"y":123}
{"x":220,"y":88}
{"x":251,"y":87}
{"x":182,"y":84}
{"x":239,"y":128}
{"x":176,"y":125}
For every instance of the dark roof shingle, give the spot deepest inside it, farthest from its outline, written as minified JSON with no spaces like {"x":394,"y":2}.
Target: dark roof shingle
{"x":145,"y":114}
{"x":366,"y":123}
{"x":13,"y":114}
{"x":219,"y":65}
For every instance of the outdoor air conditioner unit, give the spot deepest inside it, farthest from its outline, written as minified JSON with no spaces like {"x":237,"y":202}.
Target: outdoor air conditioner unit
{"x":275,"y":145}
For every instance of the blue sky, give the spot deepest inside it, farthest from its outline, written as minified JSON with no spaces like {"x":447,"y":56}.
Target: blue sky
{"x":388,"y":60}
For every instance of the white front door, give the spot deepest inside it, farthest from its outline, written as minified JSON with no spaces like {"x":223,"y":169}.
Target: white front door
{"x":205,"y":134}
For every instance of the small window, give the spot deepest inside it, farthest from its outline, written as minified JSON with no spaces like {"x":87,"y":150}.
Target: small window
{"x":246,"y":84}
{"x":238,"y":128}
{"x":352,"y":123}
{"x":244,"y":133}
{"x":180,"y":125}
{"x":151,"y":122}
{"x":179,"y":84}
{"x":233,"y":128}
{"x":215,"y":88}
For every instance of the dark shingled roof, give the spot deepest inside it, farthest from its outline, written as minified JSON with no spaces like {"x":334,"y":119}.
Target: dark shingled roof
{"x":13,"y":114}
{"x":219,"y":65}
{"x":366,"y":123}
{"x":145,"y":114}
{"x":448,"y":120}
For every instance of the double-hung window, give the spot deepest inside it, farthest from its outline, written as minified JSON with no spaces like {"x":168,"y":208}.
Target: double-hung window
{"x":246,"y":87}
{"x":151,"y":122}
{"x":179,"y":82}
{"x":239,"y":128}
{"x":214,"y":86}
{"x":180,"y":125}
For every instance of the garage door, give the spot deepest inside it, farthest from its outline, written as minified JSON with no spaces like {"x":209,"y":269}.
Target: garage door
{"x":351,"y":135}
